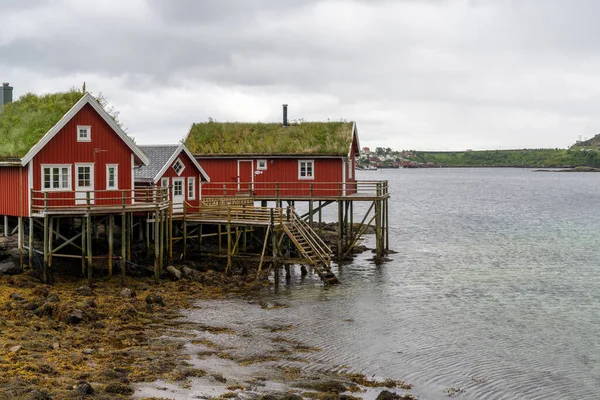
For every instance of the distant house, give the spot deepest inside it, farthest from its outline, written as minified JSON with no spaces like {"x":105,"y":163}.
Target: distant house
{"x":366,"y":149}
{"x":268,"y":159}
{"x":65,"y":150}
{"x":173,"y":166}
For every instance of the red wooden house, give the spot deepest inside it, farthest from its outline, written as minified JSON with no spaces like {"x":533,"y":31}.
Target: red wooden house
{"x":63,"y":150}
{"x":175,"y":167}
{"x":310,"y":159}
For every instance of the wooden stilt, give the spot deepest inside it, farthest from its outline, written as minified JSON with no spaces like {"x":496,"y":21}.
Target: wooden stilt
{"x":220,"y":239}
{"x":320,"y":219}
{"x":6,"y":227}
{"x":170,"y":232}
{"x":147,"y":237}
{"x":387,"y":227}
{"x":83,"y":246}
{"x":30,"y":242}
{"x":156,"y":246}
{"x":310,"y":213}
{"x":340,"y":228}
{"x":45,"y":267}
{"x":123,"y":248}
{"x":110,"y":233}
{"x":245,"y":239}
{"x":200,"y":235}
{"x":262,"y":254}
{"x":161,"y":243}
{"x":228,"y":248}
{"x":50,"y":242}
{"x":129,"y":234}
{"x":184,"y":223}
{"x":90,"y":266}
{"x":20,"y":241}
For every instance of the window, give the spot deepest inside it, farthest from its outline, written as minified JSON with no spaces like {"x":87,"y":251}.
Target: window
{"x":306,"y":169}
{"x":84,"y":133}
{"x":177,"y":188}
{"x":84,"y":176}
{"x":56,"y":177}
{"x":261,"y":164}
{"x":191,"y":188}
{"x":178,"y":166}
{"x":112,"y":177}
{"x":164,"y":182}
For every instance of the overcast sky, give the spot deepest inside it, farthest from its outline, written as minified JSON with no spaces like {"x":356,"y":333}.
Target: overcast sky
{"x":427,"y":75}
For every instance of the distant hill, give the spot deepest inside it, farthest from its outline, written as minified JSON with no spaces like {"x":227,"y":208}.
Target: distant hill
{"x":590,"y":143}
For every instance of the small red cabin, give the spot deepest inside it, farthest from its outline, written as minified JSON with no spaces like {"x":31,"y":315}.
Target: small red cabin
{"x":63,"y":150}
{"x":175,"y":167}
{"x":309,"y":159}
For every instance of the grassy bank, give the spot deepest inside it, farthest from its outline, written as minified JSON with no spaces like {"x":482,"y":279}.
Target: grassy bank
{"x":532,"y":158}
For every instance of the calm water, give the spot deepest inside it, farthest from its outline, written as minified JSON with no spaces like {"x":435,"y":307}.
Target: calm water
{"x":495,"y":288}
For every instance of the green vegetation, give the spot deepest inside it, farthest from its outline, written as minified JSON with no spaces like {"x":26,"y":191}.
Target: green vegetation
{"x":24,"y":122}
{"x":534,"y":158}
{"x":331,"y":138}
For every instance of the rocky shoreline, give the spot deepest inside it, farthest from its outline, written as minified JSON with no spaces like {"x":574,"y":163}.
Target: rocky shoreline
{"x":72,"y":341}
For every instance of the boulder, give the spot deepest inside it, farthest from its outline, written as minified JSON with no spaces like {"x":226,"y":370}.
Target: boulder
{"x":85,"y":389}
{"x":127,"y":293}
{"x":174,"y":272}
{"x":10,"y":267}
{"x":74,"y":317}
{"x":155,"y":299}
{"x":387,"y":395}
{"x":84,"y":291}
{"x":187,"y":272}
{"x":52,"y":298}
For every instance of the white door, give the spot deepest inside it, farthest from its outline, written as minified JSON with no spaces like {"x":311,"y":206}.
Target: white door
{"x":84,"y":183}
{"x":178,"y":194}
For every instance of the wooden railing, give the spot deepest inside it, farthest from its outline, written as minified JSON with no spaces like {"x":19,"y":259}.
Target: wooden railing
{"x":141,"y":198}
{"x":296,"y":189}
{"x":234,"y":213}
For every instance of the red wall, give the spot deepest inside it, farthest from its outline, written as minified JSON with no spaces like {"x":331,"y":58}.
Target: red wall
{"x":105,"y":147}
{"x":189,"y":171}
{"x":14,"y":198}
{"x":284,"y":171}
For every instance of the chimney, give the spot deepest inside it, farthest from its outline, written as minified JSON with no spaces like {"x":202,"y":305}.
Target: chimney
{"x":285,"y":121}
{"x":5,"y":94}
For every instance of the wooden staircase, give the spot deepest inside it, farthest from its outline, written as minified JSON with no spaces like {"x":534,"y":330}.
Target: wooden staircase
{"x":311,"y":247}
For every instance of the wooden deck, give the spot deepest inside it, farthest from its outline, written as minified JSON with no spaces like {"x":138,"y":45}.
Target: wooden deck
{"x":74,"y":203}
{"x":319,"y":191}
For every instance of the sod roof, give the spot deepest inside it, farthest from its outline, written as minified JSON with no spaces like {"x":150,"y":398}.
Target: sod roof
{"x":306,"y":138}
{"x":25,"y":121}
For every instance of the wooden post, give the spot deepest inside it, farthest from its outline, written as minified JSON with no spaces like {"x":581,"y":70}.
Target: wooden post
{"x":156,"y":246}
{"x":83,"y":246}
{"x":45,"y":267}
{"x":378,"y":249}
{"x":170,"y":232}
{"x":129,"y":234}
{"x":111,"y":227}
{"x":90,"y":266}
{"x":219,"y":231}
{"x":6,"y":227}
{"x":123,"y":248}
{"x":147,"y":237}
{"x":20,"y":241}
{"x":244,"y":239}
{"x":387,"y":227}
{"x":310,"y":212}
{"x":50,"y":242}
{"x":161,"y":241}
{"x":320,"y":219}
{"x":228,"y":247}
{"x":200,"y":235}
{"x":340,"y":228}
{"x":30,"y":242}
{"x":184,"y":225}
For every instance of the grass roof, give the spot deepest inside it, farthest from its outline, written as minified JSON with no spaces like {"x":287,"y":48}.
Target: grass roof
{"x":24,"y":122}
{"x":323,"y":138}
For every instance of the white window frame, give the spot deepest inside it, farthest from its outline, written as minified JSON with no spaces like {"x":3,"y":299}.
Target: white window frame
{"x":182,"y":181}
{"x":182,"y":166}
{"x":60,"y":166}
{"x":307,"y":162}
{"x":88,"y":137}
{"x":260,"y":167}
{"x":164,"y":182}
{"x":191,"y":187}
{"x":116,"y":183}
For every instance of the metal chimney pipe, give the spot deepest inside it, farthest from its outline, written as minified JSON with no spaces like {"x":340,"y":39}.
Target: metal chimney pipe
{"x":285,"y":121}
{"x":6,"y":92}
